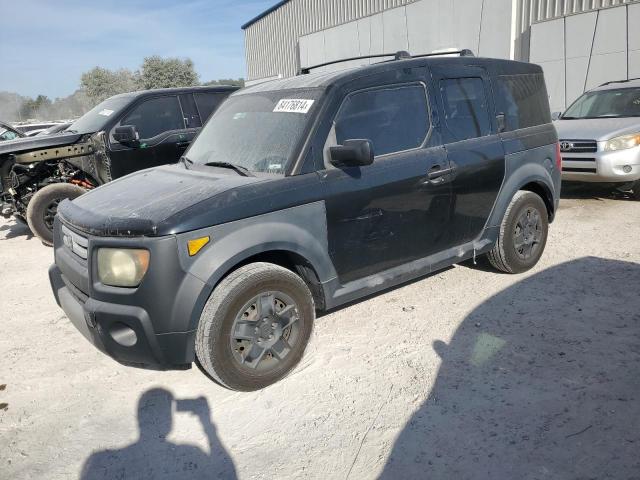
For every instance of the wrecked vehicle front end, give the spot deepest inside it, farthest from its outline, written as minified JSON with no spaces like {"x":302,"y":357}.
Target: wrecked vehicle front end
{"x":29,"y":165}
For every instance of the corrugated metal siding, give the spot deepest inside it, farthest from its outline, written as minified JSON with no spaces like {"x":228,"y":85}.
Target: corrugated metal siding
{"x":271,"y":43}
{"x":532,"y":11}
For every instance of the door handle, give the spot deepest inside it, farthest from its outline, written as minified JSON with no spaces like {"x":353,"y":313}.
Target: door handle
{"x":437,"y":172}
{"x":182,"y":144}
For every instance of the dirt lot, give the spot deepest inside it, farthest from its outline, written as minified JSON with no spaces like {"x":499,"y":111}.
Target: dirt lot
{"x":465,"y":374}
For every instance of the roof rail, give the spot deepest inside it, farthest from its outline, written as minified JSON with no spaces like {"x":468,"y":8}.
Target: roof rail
{"x":619,"y":81}
{"x":399,"y":55}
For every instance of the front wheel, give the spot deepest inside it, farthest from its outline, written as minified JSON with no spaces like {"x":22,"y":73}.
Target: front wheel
{"x":43,"y":206}
{"x":523,"y":234}
{"x":255,"y":327}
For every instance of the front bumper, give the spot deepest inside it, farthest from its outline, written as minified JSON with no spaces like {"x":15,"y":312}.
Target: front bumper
{"x":151,"y":326}
{"x":123,"y":332}
{"x":601,"y":166}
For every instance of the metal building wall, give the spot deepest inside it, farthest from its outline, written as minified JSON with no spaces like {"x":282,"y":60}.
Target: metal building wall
{"x":484,"y":26}
{"x":271,"y":42}
{"x":581,"y":51}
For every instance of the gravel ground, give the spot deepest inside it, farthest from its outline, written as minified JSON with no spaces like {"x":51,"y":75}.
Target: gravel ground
{"x":464,"y":374}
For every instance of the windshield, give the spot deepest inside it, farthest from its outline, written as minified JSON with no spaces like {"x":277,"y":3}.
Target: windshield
{"x":96,"y":118}
{"x":259,"y":131}
{"x":622,"y":102}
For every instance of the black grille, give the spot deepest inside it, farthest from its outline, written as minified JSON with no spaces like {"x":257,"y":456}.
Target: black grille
{"x":578,"y":146}
{"x":579,"y":170}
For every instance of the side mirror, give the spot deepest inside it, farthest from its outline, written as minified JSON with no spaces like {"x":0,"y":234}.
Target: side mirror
{"x":556,"y":116}
{"x":127,"y":135}
{"x":352,"y":153}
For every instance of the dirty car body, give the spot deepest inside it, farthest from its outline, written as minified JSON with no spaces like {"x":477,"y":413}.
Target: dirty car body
{"x":434,"y":192}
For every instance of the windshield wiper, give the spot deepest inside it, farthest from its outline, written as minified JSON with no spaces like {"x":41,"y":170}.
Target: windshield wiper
{"x":186,"y":161}
{"x":244,"y":171}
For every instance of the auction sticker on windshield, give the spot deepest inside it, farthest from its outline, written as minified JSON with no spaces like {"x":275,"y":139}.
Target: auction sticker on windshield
{"x":106,"y":112}
{"x":293,"y":105}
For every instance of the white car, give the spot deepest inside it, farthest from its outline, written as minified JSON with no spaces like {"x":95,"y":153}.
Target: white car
{"x":600,"y":136}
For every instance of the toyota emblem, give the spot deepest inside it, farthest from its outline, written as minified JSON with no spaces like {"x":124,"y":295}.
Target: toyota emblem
{"x":566,"y":146}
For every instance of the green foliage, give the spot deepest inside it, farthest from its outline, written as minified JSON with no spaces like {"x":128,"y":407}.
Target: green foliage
{"x":101,"y":83}
{"x":157,"y":72}
{"x":239,"y":82}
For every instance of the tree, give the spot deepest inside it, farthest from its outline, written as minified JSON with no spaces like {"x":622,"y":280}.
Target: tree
{"x":157,"y":72}
{"x":101,"y":83}
{"x":239,"y":82}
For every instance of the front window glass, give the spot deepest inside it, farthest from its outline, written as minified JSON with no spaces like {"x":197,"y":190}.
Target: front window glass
{"x":621,"y":102}
{"x":259,"y":131}
{"x":155,"y":116}
{"x":393,"y":119}
{"x":96,"y":118}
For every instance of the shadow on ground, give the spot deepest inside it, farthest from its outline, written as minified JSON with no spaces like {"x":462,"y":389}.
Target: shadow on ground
{"x":14,"y":229}
{"x":153,"y":456}
{"x":540,"y":381}
{"x":585,"y":191}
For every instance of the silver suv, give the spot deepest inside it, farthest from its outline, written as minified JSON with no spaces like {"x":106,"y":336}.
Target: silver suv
{"x":600,"y":136}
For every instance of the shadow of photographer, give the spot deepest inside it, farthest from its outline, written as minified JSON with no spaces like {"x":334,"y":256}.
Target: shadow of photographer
{"x":152,"y":456}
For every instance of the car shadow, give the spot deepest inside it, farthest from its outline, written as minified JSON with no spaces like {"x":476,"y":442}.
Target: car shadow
{"x":15,"y":229}
{"x":540,"y":381}
{"x":152,"y":456}
{"x":585,"y":191}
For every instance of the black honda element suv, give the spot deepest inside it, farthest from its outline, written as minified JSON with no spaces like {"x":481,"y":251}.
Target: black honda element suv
{"x":301,"y":195}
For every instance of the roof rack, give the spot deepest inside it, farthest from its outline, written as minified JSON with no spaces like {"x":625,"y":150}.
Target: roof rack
{"x":619,"y":81}
{"x":399,"y":55}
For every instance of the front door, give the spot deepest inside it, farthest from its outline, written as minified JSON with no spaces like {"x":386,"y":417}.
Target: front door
{"x":474,"y":148}
{"x":163,"y":133}
{"x":396,"y":210}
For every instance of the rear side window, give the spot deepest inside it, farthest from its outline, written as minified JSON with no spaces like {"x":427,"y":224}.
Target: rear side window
{"x":523,"y":100}
{"x":393,"y":119}
{"x":465,"y":107}
{"x":208,"y":103}
{"x":155,"y":116}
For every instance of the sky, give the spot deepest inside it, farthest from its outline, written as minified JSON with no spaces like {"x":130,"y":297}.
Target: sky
{"x":45,"y":45}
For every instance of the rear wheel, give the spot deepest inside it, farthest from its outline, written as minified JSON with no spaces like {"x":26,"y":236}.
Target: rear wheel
{"x":523,"y":234}
{"x":43,"y":207}
{"x":255,"y":327}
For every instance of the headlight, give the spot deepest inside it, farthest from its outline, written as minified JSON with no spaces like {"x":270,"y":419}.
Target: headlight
{"x":622,"y":143}
{"x":122,"y":267}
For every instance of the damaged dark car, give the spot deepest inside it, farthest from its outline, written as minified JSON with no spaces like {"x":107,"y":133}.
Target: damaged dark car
{"x":123,"y":134}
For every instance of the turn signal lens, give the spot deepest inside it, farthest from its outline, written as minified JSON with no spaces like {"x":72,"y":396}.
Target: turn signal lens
{"x":196,"y":245}
{"x":122,"y":267}
{"x":622,"y":143}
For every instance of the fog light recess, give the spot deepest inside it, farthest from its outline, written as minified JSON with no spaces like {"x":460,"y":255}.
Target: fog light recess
{"x":123,"y":334}
{"x":627,"y":169}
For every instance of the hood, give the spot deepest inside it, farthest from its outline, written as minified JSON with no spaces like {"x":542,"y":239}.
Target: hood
{"x":26,"y":144}
{"x":138,"y":203}
{"x":599,"y":129}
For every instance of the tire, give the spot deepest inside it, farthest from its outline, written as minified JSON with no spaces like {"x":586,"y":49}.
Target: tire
{"x":526,"y":208}
{"x":43,"y":206}
{"x":250,"y":319}
{"x":636,"y":190}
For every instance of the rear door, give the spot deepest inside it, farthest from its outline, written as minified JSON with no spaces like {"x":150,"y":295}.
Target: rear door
{"x":474,"y":148}
{"x":163,"y":132}
{"x":391,"y":212}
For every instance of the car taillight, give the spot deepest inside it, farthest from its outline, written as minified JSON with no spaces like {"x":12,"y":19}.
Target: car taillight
{"x":558,"y":157}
